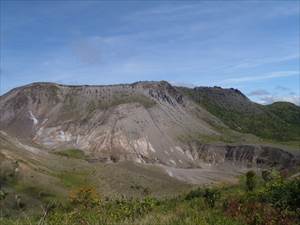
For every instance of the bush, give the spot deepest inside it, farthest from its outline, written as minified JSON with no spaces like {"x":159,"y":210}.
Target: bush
{"x":86,"y":197}
{"x":257,"y":213}
{"x":250,"y":180}
{"x":283,"y":194}
{"x":3,"y":195}
{"x":269,"y":175}
{"x":197,"y":193}
{"x":211,"y":196}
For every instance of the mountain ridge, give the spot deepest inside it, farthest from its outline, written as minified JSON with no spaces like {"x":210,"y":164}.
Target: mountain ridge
{"x":138,"y":82}
{"x":142,"y":121}
{"x":216,"y":100}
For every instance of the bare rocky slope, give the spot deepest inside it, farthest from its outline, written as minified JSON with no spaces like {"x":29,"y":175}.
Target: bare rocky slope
{"x":144,"y":122}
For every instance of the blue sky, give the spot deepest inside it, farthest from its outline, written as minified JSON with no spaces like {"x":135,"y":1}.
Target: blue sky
{"x":249,"y":45}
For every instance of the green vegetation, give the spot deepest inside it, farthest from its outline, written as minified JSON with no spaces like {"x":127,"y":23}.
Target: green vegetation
{"x":118,"y":99}
{"x":279,"y":121}
{"x":272,"y":201}
{"x":71,"y":153}
{"x":53,"y":92}
{"x":227,"y":136}
{"x":74,"y":107}
{"x":71,"y":179}
{"x":250,"y":180}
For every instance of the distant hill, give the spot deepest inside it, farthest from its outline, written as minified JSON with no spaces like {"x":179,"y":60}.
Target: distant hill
{"x":279,"y":121}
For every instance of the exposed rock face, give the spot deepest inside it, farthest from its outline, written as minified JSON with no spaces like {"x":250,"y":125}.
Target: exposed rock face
{"x":140,"y":122}
{"x":243,"y":155}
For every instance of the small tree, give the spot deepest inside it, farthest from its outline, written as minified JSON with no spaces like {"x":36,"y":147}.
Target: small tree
{"x":3,"y":195}
{"x":250,"y":180}
{"x":211,"y":196}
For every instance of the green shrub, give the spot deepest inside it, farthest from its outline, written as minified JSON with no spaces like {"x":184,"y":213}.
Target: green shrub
{"x":269,"y":175}
{"x":250,"y":180}
{"x":71,"y":153}
{"x":86,"y":197}
{"x":211,"y":196}
{"x":197,"y":193}
{"x":3,"y":195}
{"x":283,"y":194}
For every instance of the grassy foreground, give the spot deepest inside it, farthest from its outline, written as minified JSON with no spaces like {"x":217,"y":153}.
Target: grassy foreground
{"x":267,"y":199}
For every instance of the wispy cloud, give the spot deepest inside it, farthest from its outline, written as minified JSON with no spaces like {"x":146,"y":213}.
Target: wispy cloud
{"x":273,"y":75}
{"x":166,"y":10}
{"x":259,"y":92}
{"x":265,"y":97}
{"x":289,"y":98}
{"x":281,"y":88}
{"x":185,"y":42}
{"x":250,"y":63}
